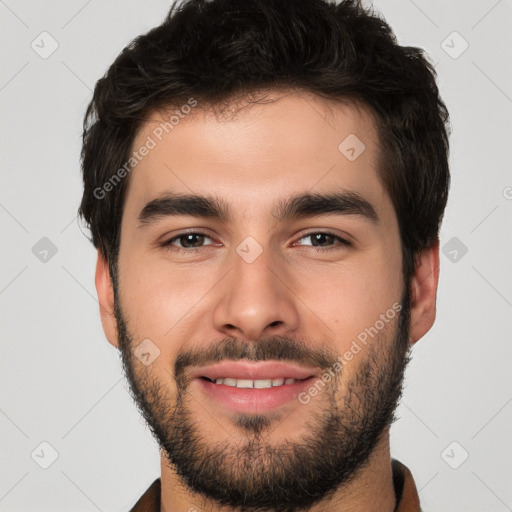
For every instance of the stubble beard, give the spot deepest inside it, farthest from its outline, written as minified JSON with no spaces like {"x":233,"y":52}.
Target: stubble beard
{"x":252,"y":475}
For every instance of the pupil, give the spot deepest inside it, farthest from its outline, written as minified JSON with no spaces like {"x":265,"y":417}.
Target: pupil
{"x":318,"y":236}
{"x":188,"y":239}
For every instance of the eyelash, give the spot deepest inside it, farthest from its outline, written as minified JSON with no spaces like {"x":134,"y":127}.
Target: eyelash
{"x":167,"y":244}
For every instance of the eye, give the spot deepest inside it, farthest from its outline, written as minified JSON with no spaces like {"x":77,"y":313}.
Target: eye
{"x":320,"y":238}
{"x":189,"y":241}
{"x":195,"y":240}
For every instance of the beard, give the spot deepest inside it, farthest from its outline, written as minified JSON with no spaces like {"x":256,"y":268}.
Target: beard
{"x":253,"y":475}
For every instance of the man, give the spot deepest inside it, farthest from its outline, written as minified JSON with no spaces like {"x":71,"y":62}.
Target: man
{"x":265,"y":182}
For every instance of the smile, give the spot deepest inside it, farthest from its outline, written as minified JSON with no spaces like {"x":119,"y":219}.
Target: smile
{"x":255,"y":384}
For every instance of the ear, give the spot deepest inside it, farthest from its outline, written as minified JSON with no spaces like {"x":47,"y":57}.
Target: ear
{"x":105,"y":293}
{"x":423,"y":292}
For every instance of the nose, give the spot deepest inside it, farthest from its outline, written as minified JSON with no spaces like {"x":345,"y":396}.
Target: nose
{"x":256,"y":299}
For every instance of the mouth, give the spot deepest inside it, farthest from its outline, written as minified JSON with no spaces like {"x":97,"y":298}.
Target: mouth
{"x":248,"y":387}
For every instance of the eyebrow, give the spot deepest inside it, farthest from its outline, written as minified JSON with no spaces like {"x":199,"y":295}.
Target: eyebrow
{"x":295,"y":207}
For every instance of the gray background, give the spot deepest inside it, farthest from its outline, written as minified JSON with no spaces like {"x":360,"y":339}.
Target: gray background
{"x":61,"y":382}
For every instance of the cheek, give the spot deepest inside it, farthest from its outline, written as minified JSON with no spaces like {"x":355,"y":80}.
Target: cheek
{"x":343,"y":300}
{"x":159,"y":300}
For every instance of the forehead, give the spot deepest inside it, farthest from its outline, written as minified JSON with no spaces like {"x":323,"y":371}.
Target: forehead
{"x":297,"y":142}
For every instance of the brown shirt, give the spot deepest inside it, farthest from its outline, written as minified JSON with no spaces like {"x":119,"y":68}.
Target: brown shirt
{"x":407,"y":499}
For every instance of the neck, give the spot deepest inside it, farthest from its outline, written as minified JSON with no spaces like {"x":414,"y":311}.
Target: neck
{"x":370,"y":489}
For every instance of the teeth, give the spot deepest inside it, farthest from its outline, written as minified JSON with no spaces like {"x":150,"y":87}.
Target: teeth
{"x":258,"y":384}
{"x":243,"y":383}
{"x":263,"y":383}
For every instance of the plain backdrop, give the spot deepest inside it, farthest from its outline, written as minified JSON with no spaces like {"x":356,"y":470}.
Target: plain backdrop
{"x":61,"y":382}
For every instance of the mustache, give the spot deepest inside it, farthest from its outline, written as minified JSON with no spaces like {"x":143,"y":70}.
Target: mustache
{"x":279,"y":348}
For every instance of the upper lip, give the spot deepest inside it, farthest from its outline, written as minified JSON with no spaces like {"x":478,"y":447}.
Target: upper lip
{"x":253,"y":370}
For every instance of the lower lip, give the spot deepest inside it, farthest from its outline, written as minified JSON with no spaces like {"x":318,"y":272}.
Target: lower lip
{"x":252,"y":400}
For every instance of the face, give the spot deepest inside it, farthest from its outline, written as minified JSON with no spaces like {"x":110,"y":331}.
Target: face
{"x":264,"y":328}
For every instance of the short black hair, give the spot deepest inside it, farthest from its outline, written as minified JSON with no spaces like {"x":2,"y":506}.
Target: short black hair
{"x":219,"y":52}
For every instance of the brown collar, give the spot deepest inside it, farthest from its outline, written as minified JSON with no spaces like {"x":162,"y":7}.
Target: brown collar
{"x":407,"y":499}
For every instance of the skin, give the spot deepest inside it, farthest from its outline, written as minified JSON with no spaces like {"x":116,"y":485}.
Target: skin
{"x":180,"y":301}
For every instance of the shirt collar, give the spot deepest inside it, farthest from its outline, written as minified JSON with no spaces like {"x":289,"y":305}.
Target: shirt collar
{"x":407,"y":499}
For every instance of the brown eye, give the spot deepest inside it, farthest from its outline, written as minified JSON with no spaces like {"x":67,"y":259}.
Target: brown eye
{"x":189,"y":241}
{"x":323,"y":240}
